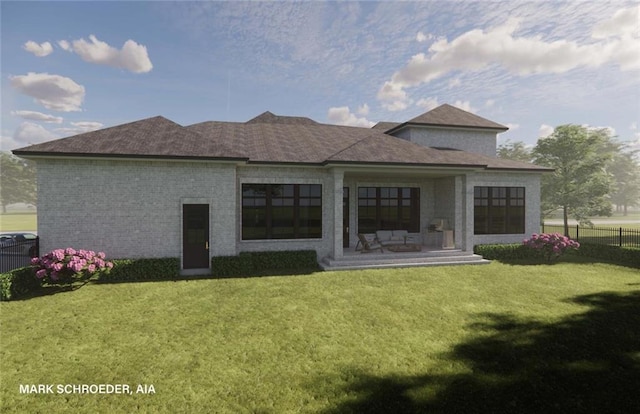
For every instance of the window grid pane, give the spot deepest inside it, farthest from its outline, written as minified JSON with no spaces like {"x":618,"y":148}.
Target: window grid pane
{"x":499,"y":210}
{"x":281,"y":211}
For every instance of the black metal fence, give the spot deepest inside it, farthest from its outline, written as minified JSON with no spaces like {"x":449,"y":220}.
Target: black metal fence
{"x":16,"y":252}
{"x":613,"y":236}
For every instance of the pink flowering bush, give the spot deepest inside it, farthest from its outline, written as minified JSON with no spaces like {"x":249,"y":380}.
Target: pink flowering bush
{"x":551,"y":245}
{"x":64,"y":266}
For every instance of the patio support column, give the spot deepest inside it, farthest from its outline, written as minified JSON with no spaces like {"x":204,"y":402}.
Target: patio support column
{"x":459,"y":224}
{"x":467,"y":214}
{"x":338,"y":184}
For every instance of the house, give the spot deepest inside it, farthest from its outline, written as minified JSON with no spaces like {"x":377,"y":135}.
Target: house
{"x":153,"y":188}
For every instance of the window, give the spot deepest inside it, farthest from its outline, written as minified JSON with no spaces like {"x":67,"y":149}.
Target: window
{"x":499,"y":210}
{"x":388,"y":208}
{"x":281,"y":211}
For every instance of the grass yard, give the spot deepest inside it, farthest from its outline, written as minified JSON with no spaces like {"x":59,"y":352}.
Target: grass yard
{"x":499,"y":338}
{"x":18,"y":222}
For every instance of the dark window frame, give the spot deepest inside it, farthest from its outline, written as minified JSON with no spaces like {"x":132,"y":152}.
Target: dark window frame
{"x":281,"y":211}
{"x":499,"y":210}
{"x":375,"y":209}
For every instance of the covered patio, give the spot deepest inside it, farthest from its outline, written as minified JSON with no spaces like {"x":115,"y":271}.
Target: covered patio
{"x":413,"y":199}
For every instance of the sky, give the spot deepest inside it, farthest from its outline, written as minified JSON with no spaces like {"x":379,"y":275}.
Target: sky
{"x":73,"y":67}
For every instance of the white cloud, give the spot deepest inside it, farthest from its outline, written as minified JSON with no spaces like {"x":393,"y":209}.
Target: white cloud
{"x":520,"y":55}
{"x":64,"y":45}
{"x":465,"y":106}
{"x":512,"y":127}
{"x":79,"y":128}
{"x":363,"y":110}
{"x":545,"y":130}
{"x":428,"y":103}
{"x":454,"y":82}
{"x":393,"y":97}
{"x":54,"y":92}
{"x":343,"y":116}
{"x":132,"y":57}
{"x":624,"y":22}
{"x":38,"y":116}
{"x":29,"y":133}
{"x":39,"y":50}
{"x":421,"y":37}
{"x":489,"y":103}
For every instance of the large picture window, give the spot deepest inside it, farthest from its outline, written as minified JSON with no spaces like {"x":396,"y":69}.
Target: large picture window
{"x":388,"y":208}
{"x":281,"y":211}
{"x":499,"y":210}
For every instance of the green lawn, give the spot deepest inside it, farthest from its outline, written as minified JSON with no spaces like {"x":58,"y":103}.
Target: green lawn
{"x":18,"y":222}
{"x":472,"y":339}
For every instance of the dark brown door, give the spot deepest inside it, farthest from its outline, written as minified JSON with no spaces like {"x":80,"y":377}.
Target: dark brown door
{"x":195,"y":236}
{"x":345,"y":217}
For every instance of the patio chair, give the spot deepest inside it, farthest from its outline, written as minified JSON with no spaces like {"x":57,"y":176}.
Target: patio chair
{"x":368,"y":245}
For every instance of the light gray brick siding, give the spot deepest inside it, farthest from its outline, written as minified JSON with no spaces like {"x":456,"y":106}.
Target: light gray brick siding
{"x":478,"y":141}
{"x":131,"y":209}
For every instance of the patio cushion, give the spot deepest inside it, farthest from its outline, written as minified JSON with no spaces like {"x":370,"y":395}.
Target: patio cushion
{"x":384,"y":235}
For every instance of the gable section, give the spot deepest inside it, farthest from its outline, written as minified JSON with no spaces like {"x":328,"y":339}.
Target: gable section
{"x":450,"y":116}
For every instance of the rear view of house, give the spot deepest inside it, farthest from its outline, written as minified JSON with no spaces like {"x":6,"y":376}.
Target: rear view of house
{"x":153,"y":188}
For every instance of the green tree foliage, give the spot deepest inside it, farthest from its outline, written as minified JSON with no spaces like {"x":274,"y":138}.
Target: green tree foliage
{"x":17,"y":180}
{"x":516,"y":151}
{"x":626,"y":172}
{"x":581,"y":182}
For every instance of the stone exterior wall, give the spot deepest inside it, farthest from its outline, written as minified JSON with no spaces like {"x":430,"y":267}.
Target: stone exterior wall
{"x":477,"y":141}
{"x":132,"y":209}
{"x":531,"y":183}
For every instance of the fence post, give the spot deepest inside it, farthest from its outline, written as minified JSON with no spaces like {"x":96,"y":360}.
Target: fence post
{"x":620,"y":240}
{"x":577,"y":232}
{"x":37,"y":246}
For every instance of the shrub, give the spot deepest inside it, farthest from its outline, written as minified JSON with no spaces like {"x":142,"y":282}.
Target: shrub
{"x":225,"y":266}
{"x":64,"y":266}
{"x":18,"y":282}
{"x":254,"y":263}
{"x":142,"y":269}
{"x":514,"y":251}
{"x":291,"y":259}
{"x":628,"y":256}
{"x":550,"y":245}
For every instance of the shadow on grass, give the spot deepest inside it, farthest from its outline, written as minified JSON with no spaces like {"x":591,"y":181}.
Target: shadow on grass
{"x":586,"y":363}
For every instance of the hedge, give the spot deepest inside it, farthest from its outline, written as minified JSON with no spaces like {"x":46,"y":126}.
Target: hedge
{"x":18,"y":282}
{"x":256,"y":263}
{"x":135,"y":270}
{"x":628,"y":256}
{"x":514,"y":251}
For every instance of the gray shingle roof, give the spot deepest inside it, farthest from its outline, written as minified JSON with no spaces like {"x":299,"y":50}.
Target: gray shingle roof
{"x":265,"y":139}
{"x":151,"y":137}
{"x":269,"y":118}
{"x":447,"y":115}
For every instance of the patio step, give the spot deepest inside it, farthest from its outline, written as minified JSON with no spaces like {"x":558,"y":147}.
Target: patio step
{"x":386,"y":260}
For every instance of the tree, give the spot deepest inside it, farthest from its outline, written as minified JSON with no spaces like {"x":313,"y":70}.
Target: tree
{"x":626,"y":172}
{"x":516,"y":151}
{"x":17,"y":180}
{"x":580,"y":184}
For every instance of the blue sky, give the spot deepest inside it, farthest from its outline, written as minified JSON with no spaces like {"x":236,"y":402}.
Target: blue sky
{"x":71,"y":67}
